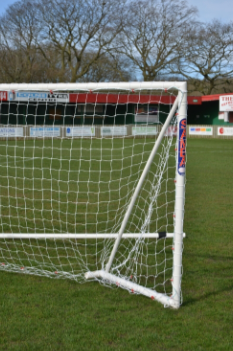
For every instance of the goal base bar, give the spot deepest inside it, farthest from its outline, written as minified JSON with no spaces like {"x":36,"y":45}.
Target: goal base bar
{"x":167,"y":301}
{"x":86,"y":236}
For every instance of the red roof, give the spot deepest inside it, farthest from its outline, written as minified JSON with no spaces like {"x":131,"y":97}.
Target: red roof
{"x":215,"y":97}
{"x":131,"y":99}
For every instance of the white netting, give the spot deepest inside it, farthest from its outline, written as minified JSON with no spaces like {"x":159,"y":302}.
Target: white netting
{"x":69,"y":163}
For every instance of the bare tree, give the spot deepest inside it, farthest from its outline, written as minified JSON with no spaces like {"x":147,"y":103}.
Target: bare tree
{"x":75,"y":28}
{"x":207,"y":57}
{"x":60,"y":40}
{"x":19,"y":29}
{"x":109,"y":68}
{"x":153,"y":34}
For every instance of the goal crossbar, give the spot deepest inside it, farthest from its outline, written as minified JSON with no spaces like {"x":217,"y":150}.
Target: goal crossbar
{"x":136,"y":86}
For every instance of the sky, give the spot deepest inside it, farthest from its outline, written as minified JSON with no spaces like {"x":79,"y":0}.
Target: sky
{"x":208,"y":9}
{"x":213,"y":9}
{"x":4,"y":4}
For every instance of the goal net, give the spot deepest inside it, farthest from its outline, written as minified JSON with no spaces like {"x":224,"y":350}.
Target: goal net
{"x":92,"y":183}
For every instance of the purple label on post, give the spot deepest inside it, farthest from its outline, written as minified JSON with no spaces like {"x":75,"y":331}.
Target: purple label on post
{"x":182,"y":147}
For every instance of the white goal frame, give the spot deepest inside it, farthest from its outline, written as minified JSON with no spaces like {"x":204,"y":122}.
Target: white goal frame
{"x":179,"y":105}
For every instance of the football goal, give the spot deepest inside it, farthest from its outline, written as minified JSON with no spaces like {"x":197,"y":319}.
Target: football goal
{"x":92,"y":180}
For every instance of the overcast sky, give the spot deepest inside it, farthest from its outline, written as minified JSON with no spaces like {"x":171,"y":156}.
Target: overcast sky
{"x":208,"y":9}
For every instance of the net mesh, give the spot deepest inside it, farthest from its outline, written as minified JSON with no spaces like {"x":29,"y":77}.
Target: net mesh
{"x":69,"y":163}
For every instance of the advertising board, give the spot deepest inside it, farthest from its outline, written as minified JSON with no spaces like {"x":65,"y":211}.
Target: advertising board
{"x":198,"y":130}
{"x":80,"y":131}
{"x":226,"y":103}
{"x":171,"y":131}
{"x":11,"y":132}
{"x":29,"y":96}
{"x":225,"y":131}
{"x":3,"y":95}
{"x":42,"y":132}
{"x":113,"y":131}
{"x":140,"y":130}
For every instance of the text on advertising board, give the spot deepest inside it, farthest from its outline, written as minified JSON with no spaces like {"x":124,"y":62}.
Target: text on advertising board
{"x":226,"y":103}
{"x":3,"y":95}
{"x":39,"y":97}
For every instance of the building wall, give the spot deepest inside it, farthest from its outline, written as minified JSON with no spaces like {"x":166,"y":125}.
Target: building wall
{"x":71,"y":114}
{"x":206,"y":114}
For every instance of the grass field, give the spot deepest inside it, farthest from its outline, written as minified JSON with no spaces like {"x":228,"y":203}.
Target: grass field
{"x":84,"y":186}
{"x":37,"y":313}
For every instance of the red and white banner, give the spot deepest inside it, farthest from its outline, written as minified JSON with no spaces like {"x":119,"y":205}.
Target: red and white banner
{"x":3,"y":96}
{"x":171,"y":131}
{"x":225,"y":131}
{"x":226,"y":103}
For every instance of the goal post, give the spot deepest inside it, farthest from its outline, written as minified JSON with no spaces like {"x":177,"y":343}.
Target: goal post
{"x":92,"y":183}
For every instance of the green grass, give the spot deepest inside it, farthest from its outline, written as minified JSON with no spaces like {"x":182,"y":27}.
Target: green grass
{"x":44,"y":184}
{"x":84,"y":186}
{"x":37,"y":313}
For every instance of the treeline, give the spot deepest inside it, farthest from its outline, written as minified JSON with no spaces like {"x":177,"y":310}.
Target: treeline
{"x":112,"y":40}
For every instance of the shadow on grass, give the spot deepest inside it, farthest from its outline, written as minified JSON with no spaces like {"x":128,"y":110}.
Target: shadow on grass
{"x":212,"y":274}
{"x":207,"y":295}
{"x":211,"y":257}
